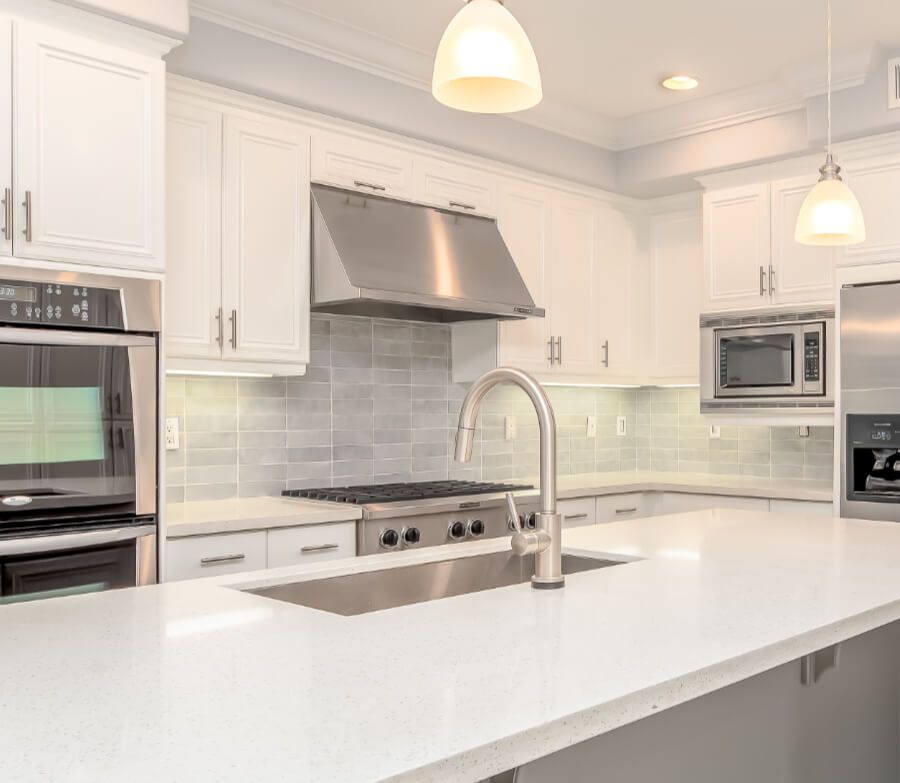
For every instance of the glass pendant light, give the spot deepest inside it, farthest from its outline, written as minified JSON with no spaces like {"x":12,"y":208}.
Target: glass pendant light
{"x":485,"y":63}
{"x":830,"y":214}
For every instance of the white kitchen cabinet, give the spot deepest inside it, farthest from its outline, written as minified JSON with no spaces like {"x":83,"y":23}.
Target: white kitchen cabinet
{"x":237,"y":293}
{"x":351,"y":162}
{"x":678,"y":502}
{"x":7,"y":202}
{"x":812,"y":507}
{"x":89,"y":150}
{"x":736,"y":247}
{"x":265,"y":253}
{"x":876,"y":184}
{"x":798,"y":273}
{"x":614,"y":508}
{"x":577,"y":512}
{"x":310,"y":544}
{"x":194,"y":234}
{"x":459,"y":188}
{"x":229,"y":553}
{"x":676,"y":283}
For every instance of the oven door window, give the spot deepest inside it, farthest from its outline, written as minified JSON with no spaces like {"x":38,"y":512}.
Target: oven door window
{"x":66,"y":430}
{"x":756,"y":361}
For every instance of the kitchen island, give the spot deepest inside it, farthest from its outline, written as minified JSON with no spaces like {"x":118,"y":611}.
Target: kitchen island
{"x":197,"y":681}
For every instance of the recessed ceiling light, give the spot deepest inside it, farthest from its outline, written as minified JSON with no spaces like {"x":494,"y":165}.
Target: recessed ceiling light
{"x":680,"y":82}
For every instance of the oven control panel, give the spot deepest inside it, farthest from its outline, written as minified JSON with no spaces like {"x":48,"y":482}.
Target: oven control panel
{"x":65,"y":305}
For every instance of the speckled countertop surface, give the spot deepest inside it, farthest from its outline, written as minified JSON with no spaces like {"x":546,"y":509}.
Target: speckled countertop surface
{"x":197,"y":681}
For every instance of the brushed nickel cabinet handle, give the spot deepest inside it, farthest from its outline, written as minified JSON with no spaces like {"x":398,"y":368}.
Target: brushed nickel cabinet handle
{"x":233,"y":320}
{"x":222,"y":559}
{"x":220,"y":339}
{"x":27,"y":204}
{"x":626,"y":510}
{"x":575,"y":516}
{"x":7,"y":213}
{"x":559,"y":350}
{"x":371,"y":185}
{"x":462,"y":205}
{"x":762,"y":281}
{"x":771,"y":279}
{"x":605,"y":347}
{"x":550,"y":344}
{"x":317,"y":548}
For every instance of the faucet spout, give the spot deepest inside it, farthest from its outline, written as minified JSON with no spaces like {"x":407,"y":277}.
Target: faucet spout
{"x":548,"y":556}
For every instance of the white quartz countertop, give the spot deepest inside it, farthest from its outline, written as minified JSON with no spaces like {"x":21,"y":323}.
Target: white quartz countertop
{"x":230,"y":516}
{"x":197,"y":681}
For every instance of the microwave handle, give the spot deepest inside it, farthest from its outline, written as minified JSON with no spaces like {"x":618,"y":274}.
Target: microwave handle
{"x":63,"y":541}
{"x":17,"y":336}
{"x":762,"y":280}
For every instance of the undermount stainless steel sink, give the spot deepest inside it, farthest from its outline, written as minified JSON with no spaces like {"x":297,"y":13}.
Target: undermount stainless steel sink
{"x":388,"y":588}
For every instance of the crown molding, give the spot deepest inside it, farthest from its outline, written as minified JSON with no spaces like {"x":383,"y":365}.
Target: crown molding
{"x":283,"y":23}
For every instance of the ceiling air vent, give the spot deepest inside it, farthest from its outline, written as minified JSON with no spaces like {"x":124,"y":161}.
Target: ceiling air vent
{"x":894,"y":83}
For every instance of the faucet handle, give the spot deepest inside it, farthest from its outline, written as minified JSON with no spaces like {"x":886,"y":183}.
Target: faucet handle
{"x":513,"y":514}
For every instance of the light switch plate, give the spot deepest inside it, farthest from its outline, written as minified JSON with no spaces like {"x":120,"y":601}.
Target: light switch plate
{"x":172,"y":435}
{"x":715,"y":432}
{"x":621,"y":426}
{"x":591,"y":426}
{"x":509,"y":429}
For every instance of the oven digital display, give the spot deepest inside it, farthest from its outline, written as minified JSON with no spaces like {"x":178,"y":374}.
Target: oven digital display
{"x":881,"y":435}
{"x":18,"y":293}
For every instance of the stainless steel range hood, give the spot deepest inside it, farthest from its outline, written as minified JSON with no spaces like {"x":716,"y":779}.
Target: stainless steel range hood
{"x":384,"y":258}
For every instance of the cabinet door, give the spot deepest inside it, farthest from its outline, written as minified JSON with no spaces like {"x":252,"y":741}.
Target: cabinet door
{"x":89,"y":125}
{"x":363,"y":165}
{"x":736,"y":247}
{"x":572,"y":284}
{"x":194,"y":231}
{"x":800,"y":273}
{"x":525,"y":225}
{"x":7,"y":205}
{"x":455,"y":187}
{"x":876,"y":184}
{"x":198,"y":556}
{"x":676,"y":275}
{"x":265,"y":283}
{"x":311,"y":544}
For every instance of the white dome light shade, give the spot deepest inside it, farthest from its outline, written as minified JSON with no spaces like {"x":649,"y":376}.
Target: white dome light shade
{"x":830,"y":215}
{"x":485,"y":63}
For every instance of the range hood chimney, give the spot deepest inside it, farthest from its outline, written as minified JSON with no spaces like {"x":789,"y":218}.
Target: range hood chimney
{"x":384,"y":258}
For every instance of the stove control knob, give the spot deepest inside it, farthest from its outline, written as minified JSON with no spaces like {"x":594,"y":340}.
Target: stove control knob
{"x":522,"y":523}
{"x":389,"y":539}
{"x":476,"y":528}
{"x":457,"y":531}
{"x":530,"y":521}
{"x":411,"y":535}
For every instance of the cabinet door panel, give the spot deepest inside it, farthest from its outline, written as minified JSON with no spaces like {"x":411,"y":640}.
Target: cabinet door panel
{"x":525,"y":225}
{"x":611,"y":317}
{"x":455,"y":187}
{"x":89,"y":150}
{"x":363,"y":165}
{"x":803,"y":273}
{"x":193,"y":234}
{"x":876,"y":185}
{"x":736,"y":246}
{"x":676,"y":269}
{"x":266,"y":241}
{"x":571,"y":284}
{"x":7,"y":211}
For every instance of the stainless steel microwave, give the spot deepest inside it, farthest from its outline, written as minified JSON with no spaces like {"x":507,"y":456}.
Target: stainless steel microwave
{"x":761,"y":360}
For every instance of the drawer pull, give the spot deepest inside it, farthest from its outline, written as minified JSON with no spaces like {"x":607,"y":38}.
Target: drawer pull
{"x":575,"y":516}
{"x":462,"y":205}
{"x":626,"y":510}
{"x":371,"y":185}
{"x":221,"y":559}
{"x":317,"y":548}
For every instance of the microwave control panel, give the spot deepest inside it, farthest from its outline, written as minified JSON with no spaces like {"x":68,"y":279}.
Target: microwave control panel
{"x":66,"y":305}
{"x":811,"y":364}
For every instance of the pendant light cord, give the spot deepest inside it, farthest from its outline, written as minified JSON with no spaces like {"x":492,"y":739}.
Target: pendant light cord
{"x":828,"y":46}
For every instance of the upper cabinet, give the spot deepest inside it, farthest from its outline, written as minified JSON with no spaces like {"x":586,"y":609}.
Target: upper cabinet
{"x":876,"y":184}
{"x":237,"y":287}
{"x":351,"y":162}
{"x":750,"y":256}
{"x":458,"y":188}
{"x":88,"y":157}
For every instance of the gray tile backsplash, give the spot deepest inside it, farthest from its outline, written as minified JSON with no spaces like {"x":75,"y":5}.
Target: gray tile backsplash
{"x":377,"y":404}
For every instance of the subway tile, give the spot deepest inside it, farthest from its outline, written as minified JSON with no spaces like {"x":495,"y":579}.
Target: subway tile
{"x":262,"y":472}
{"x":263,"y":439}
{"x":256,"y":489}
{"x":205,"y":457}
{"x":220,"y":491}
{"x":209,"y":440}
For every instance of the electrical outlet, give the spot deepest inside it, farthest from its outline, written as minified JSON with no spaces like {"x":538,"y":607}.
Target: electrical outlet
{"x":621,"y":426}
{"x":803,"y":432}
{"x":591,"y":426}
{"x":510,"y":430}
{"x":715,"y":432}
{"x":172,"y":434}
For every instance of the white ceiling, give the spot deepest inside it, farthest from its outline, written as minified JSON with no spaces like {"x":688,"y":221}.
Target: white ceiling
{"x":601,"y":61}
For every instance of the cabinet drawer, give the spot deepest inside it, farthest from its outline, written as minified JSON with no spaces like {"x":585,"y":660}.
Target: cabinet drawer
{"x":613,"y":508}
{"x":311,"y":544}
{"x":455,"y":187}
{"x":198,"y":556}
{"x":362,"y":165}
{"x":577,"y":512}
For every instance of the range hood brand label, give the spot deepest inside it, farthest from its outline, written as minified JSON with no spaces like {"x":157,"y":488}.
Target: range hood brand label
{"x":523,"y":310}
{"x":473,"y":504}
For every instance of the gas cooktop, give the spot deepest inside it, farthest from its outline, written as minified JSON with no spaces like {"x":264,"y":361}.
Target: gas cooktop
{"x":392,"y":493}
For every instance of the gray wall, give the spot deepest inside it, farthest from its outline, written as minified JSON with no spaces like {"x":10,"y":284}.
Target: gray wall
{"x":377,"y":404}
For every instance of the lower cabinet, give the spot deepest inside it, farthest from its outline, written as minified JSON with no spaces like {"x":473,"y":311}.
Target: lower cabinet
{"x":802,"y":507}
{"x":678,"y":502}
{"x":615,"y":508}
{"x":577,"y":512}
{"x":194,"y":557}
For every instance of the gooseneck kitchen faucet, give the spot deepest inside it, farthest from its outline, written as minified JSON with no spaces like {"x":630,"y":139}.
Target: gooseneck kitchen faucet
{"x":545,"y":543}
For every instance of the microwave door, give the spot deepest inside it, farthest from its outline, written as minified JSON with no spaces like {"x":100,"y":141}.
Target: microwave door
{"x":758,"y":363}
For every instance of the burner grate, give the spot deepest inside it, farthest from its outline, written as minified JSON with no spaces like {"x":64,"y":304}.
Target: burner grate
{"x":392,"y":493}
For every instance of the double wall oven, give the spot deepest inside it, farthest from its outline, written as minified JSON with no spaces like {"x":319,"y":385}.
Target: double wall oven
{"x":79,"y":386}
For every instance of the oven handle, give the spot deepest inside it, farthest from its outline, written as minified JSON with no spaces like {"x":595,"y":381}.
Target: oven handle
{"x":63,"y":541}
{"x":52,"y":337}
